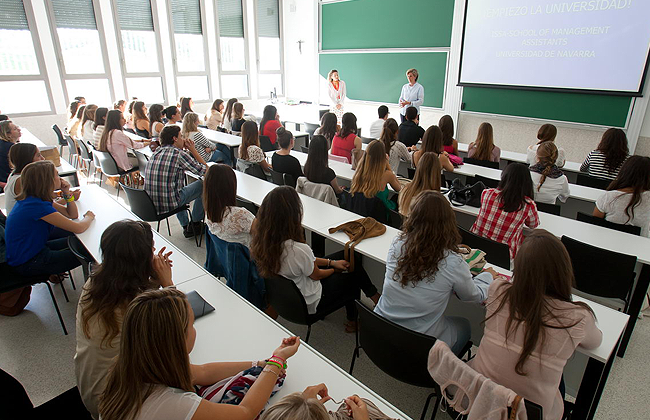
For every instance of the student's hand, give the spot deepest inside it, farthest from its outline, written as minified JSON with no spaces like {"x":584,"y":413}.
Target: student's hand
{"x":338,"y":106}
{"x":65,"y":187}
{"x":76,"y":194}
{"x":340,"y":265}
{"x":90,"y":215}
{"x":491,"y":271}
{"x":162,"y":268}
{"x":208,"y":150}
{"x":189,"y":144}
{"x":288,"y":348}
{"x":316,"y":391}
{"x":357,"y":408}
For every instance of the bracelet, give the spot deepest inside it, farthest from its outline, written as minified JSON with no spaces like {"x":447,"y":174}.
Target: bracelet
{"x":267,"y":369}
{"x":329,"y":263}
{"x":277,"y":361}
{"x":278,"y":357}
{"x":272,"y":363}
{"x":69,"y":199}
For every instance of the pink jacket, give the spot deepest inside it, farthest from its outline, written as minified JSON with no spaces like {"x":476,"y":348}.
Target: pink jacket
{"x":469,"y":392}
{"x":118,"y":145}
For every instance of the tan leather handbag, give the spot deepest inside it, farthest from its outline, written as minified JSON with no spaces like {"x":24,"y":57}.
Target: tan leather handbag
{"x":358,"y":230}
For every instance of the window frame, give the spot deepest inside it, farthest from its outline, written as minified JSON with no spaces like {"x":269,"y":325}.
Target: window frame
{"x":281,"y":52}
{"x":40,"y":60}
{"x":247,"y":71}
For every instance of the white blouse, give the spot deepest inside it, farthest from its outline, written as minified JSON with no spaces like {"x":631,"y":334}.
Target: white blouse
{"x":235,"y":226}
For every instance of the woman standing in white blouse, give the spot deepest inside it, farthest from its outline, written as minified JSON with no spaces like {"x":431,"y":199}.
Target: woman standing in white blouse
{"x":337,"y":92}
{"x":412,"y":93}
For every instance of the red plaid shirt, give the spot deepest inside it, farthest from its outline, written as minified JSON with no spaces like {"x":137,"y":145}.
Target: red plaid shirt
{"x":501,"y":226}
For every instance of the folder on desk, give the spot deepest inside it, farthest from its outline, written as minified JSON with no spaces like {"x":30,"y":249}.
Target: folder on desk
{"x":199,"y":306}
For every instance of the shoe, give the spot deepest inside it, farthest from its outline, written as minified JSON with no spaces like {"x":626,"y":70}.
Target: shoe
{"x":188,"y":232}
{"x":198,"y":227}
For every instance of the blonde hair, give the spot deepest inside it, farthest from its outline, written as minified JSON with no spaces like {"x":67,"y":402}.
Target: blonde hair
{"x":484,"y":142}
{"x":190,"y":124}
{"x":5,"y":130}
{"x":414,"y":73}
{"x":367,"y":178}
{"x":37,"y":180}
{"x":153,"y":351}
{"x":329,"y":75}
{"x":546,"y":156}
{"x":296,"y":407}
{"x":427,"y":177}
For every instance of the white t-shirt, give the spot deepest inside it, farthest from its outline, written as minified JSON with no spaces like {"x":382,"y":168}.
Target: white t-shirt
{"x":552,"y":188}
{"x":613,"y":204}
{"x":167,"y":403}
{"x":10,"y":195}
{"x":531,"y":156}
{"x":297,"y":265}
{"x":376,"y":127}
{"x":235,"y":226}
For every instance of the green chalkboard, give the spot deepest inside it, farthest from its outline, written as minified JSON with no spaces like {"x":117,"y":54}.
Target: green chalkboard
{"x":561,"y":106}
{"x":379,"y":77}
{"x":356,"y":24}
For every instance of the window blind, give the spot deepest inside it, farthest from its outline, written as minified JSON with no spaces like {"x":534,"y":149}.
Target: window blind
{"x":134,"y":15}
{"x":186,"y":16}
{"x":268,"y":20}
{"x":77,"y":14}
{"x":231,"y":18}
{"x":12,"y":15}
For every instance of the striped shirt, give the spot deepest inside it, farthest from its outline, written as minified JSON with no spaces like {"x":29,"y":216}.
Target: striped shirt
{"x":202,"y":143}
{"x":596,"y":166}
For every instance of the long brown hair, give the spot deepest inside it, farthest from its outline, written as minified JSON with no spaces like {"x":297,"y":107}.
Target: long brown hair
{"x":427,"y":177}
{"x":227,"y":113}
{"x":515,"y":186}
{"x":21,"y":155}
{"x":484,"y":142}
{"x":113,"y":119}
{"x":543,"y":271}
{"x":328,"y":126}
{"x":546,"y":157}
{"x":634,"y":174}
{"x":37,"y":180}
{"x":125,"y":272}
{"x":348,"y":125}
{"x":368,"y":175}
{"x":153,"y":351}
{"x":89,"y":115}
{"x":613,"y":145}
{"x":317,"y":159}
{"x":546,"y":132}
{"x":138,"y":113}
{"x":446,"y":124}
{"x":432,"y":140}
{"x":249,"y":137}
{"x":219,"y":191}
{"x":389,"y":134}
{"x":279,"y":219}
{"x":428,"y":234}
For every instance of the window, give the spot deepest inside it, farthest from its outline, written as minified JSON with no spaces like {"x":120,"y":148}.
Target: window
{"x":190,"y":54}
{"x":269,"y":47}
{"x":22,"y":75}
{"x":82,"y":51}
{"x":140,"y":52}
{"x":233,"y":51}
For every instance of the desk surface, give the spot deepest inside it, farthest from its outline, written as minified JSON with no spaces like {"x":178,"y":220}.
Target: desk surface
{"x":27,"y":137}
{"x":229,"y":140}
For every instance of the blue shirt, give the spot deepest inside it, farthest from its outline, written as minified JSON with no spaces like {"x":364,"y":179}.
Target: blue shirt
{"x":26,"y":234}
{"x":414,"y":94}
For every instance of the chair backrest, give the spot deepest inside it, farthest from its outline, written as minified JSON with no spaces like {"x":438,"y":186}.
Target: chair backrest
{"x":141,"y":204}
{"x":593,"y":182}
{"x":142,"y":133}
{"x":395,"y":219}
{"x":311,"y":128}
{"x":143,"y":160}
{"x":84,"y":150}
{"x":59,"y":135}
{"x":411,"y":172}
{"x":277,"y":178}
{"x":495,"y":252}
{"x":489,"y":182}
{"x":368,"y":207}
{"x":107,"y":163}
{"x":285,"y":297}
{"x":288,"y":180}
{"x":588,"y":218}
{"x":247,"y":205}
{"x":304,"y":149}
{"x":601,"y":272}
{"x":14,"y":397}
{"x":322,"y":112}
{"x":71,"y":144}
{"x":337,"y":158}
{"x":549,"y":208}
{"x":485,"y":163}
{"x":366,"y":140}
{"x":382,"y":340}
{"x":266,"y":145}
{"x":256,"y":171}
{"x":78,"y":249}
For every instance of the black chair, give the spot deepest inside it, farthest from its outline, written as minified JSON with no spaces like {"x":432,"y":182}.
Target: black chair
{"x":86,"y":155}
{"x":495,"y":252}
{"x":247,"y":205}
{"x":383,"y":340}
{"x":485,"y":163}
{"x":286,"y":299}
{"x":109,"y":168}
{"x":366,"y":140}
{"x":593,"y":182}
{"x":410,"y":172}
{"x":368,"y":207}
{"x":142,"y":133}
{"x":587,"y":218}
{"x":266,"y":145}
{"x":601,"y":272}
{"x":143,"y":160}
{"x":549,"y":208}
{"x":60,"y":139}
{"x":82,"y":254}
{"x":322,"y":112}
{"x":256,"y":171}
{"x":489,"y":182}
{"x":304,"y":149}
{"x":311,"y":128}
{"x":73,"y":153}
{"x":288,"y":180}
{"x":143,"y":207}
{"x":394,"y":219}
{"x":277,"y":178}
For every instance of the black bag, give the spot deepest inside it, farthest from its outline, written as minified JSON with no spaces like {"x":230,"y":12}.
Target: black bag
{"x":460,"y":195}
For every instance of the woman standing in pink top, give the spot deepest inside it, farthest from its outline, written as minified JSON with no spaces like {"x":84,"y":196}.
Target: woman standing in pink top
{"x":337,"y":92}
{"x":346,"y":139}
{"x":533,"y":326}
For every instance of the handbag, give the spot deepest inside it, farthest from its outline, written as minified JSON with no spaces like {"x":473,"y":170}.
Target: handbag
{"x":475,"y":258}
{"x":357,"y":155}
{"x":52,"y":154}
{"x":232,"y":390}
{"x":358,"y":230}
{"x":460,"y":195}
{"x":455,"y":160}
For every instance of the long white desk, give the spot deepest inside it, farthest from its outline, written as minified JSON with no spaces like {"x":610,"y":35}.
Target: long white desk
{"x":64,"y":170}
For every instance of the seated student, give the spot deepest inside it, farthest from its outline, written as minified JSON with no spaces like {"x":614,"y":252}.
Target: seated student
{"x":128,"y":268}
{"x":225,"y":219}
{"x":410,"y":132}
{"x":9,"y":135}
{"x":549,"y":181}
{"x":532,"y":326}
{"x":75,"y":124}
{"x":432,"y":142}
{"x":424,"y":268}
{"x":34,"y":216}
{"x":278,"y":248}
{"x":20,"y":155}
{"x":98,"y":126}
{"x":215,"y":118}
{"x":250,"y":151}
{"x":164,"y":178}
{"x":607,"y":159}
{"x":155,"y":120}
{"x":346,"y":139}
{"x":397,"y":151}
{"x":140,"y":121}
{"x":87,"y":123}
{"x":237,"y":116}
{"x":129,"y":115}
{"x":483,"y":147}
{"x":374,"y":174}
{"x":427,"y":178}
{"x":227,"y":114}
{"x":310,"y":405}
{"x":282,"y":161}
{"x":505,"y":210}
{"x":173,"y":115}
{"x":269,"y":124}
{"x":72,"y":110}
{"x":627,"y":199}
{"x":143,"y":387}
{"x":449,"y":143}
{"x":186,"y":105}
{"x":209,"y":151}
{"x":117,"y":143}
{"x":328,"y":127}
{"x":547,"y":132}
{"x":377,"y":126}
{"x":317,"y":165}
{"x":81,"y":99}
{"x":120,"y":105}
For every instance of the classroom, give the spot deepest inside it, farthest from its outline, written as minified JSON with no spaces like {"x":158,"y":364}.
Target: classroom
{"x":165,"y":164}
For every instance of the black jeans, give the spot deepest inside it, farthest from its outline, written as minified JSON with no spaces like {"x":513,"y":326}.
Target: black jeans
{"x":54,"y":258}
{"x":341,"y":289}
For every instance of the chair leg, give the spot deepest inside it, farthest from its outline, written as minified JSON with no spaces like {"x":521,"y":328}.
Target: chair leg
{"x":158,"y":226}
{"x":101,"y":177}
{"x":65,"y":294}
{"x":74,"y":286}
{"x":169,"y":232}
{"x":436,"y":406}
{"x":308,"y":334}
{"x":56,"y":306}
{"x":426,"y":406}
{"x":355,"y":355}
